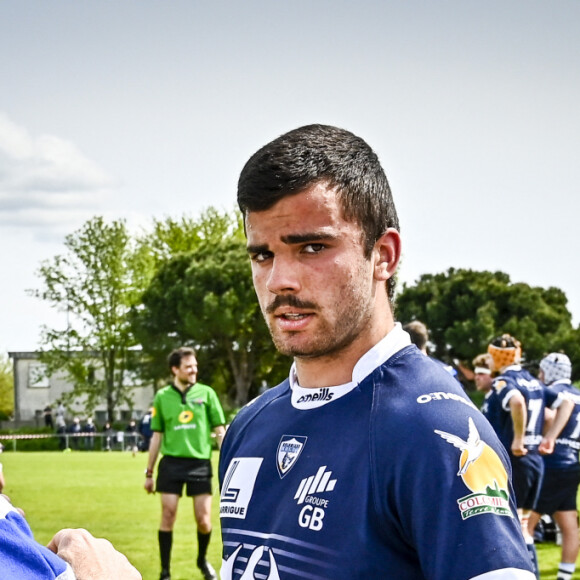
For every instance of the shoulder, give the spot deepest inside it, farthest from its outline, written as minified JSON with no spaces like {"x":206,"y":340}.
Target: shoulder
{"x":423,"y":429}
{"x":448,"y":368}
{"x":521,"y":379}
{"x":256,"y":405}
{"x":162,"y":392}
{"x":419,"y":407}
{"x":568,"y":390}
{"x":410,"y":374}
{"x":412,"y":396}
{"x":247,"y":413}
{"x":556,"y":389}
{"x":203,"y":387}
{"x":503,"y":383}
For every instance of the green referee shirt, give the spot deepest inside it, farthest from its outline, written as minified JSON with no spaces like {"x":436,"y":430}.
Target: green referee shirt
{"x":186,"y":420}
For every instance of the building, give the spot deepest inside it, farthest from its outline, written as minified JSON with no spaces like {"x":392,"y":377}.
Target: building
{"x":34,"y":390}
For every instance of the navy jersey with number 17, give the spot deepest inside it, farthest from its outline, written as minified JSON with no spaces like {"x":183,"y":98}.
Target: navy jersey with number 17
{"x":565,"y":453}
{"x":393,"y":476}
{"x":516,"y":379}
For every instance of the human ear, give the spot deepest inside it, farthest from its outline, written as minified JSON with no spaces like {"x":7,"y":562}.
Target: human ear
{"x":387,"y":253}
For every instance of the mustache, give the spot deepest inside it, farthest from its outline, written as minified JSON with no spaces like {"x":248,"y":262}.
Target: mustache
{"x":289,"y":300}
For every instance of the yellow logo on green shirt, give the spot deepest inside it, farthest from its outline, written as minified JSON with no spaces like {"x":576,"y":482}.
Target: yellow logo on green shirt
{"x":185,"y":416}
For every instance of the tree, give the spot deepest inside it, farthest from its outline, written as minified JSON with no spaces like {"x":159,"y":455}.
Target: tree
{"x":6,"y":388}
{"x":206,"y":298}
{"x":96,"y":282}
{"x":171,"y":236}
{"x":569,"y":342}
{"x":465,"y":309}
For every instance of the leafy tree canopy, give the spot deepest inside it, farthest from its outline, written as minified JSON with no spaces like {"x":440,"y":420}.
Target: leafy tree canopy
{"x":465,"y":309}
{"x":96,"y":282}
{"x":6,"y":388}
{"x":205,"y":297}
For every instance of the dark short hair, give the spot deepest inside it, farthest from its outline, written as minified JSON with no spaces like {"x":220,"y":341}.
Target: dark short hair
{"x":418,"y":333}
{"x":175,"y":356}
{"x":323,"y":154}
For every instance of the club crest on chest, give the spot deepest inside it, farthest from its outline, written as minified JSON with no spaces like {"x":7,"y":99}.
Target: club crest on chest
{"x":289,"y":450}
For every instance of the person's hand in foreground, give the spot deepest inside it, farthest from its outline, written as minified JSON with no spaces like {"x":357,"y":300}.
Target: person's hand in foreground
{"x":92,"y":558}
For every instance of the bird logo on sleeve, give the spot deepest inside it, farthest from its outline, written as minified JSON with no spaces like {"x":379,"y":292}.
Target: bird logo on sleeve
{"x":482,"y":472}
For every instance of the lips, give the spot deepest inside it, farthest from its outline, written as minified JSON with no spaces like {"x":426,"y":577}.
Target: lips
{"x":292,"y":321}
{"x":293,"y":316}
{"x":290,"y":314}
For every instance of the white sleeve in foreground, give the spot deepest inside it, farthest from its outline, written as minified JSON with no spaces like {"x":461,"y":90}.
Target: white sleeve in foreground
{"x":506,"y":574}
{"x":68,"y":574}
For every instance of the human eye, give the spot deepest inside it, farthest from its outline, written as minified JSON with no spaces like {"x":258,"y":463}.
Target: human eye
{"x":260,"y":256}
{"x":314,"y":248}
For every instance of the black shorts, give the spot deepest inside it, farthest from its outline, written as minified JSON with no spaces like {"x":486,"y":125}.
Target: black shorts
{"x":175,"y":472}
{"x":559,"y":490}
{"x":527,"y":472}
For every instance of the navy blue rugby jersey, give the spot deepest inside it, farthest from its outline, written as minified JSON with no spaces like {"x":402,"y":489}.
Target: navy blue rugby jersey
{"x":512,"y":379}
{"x":568,"y":442}
{"x":394,"y":476}
{"x":491,"y":407}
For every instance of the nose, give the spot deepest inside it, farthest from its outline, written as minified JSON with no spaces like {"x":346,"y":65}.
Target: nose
{"x":283,"y":277}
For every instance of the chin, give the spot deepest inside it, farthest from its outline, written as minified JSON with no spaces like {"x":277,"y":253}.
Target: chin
{"x":301,"y":350}
{"x":289,"y":349}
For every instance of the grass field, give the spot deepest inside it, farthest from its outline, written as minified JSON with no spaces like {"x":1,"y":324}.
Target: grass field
{"x":104,"y":493}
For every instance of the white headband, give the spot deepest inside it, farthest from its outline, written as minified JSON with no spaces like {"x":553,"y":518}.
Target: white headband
{"x":481,"y":371}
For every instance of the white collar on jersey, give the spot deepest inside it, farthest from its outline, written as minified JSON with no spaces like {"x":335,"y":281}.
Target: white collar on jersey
{"x":305,"y":398}
{"x":514,"y":367}
{"x":561,"y":382}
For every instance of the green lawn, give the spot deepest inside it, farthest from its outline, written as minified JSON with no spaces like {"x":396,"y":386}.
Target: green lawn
{"x":104,"y":493}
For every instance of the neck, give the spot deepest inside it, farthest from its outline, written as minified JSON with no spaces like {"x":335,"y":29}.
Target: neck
{"x":336,"y":368}
{"x":181,"y":386}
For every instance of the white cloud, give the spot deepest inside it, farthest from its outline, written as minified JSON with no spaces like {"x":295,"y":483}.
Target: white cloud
{"x":45,"y":181}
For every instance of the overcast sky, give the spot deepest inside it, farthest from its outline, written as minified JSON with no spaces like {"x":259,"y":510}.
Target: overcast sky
{"x":142,"y":109}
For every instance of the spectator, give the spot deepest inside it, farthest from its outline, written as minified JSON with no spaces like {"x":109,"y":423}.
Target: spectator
{"x":61,"y":431}
{"x":60,"y":410}
{"x":48,"y":417}
{"x":108,"y":437}
{"x":131,"y":437}
{"x":74,"y":433}
{"x":145,"y":430}
{"x":89,"y":429}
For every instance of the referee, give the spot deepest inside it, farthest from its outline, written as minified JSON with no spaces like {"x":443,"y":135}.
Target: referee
{"x":184,"y":415}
